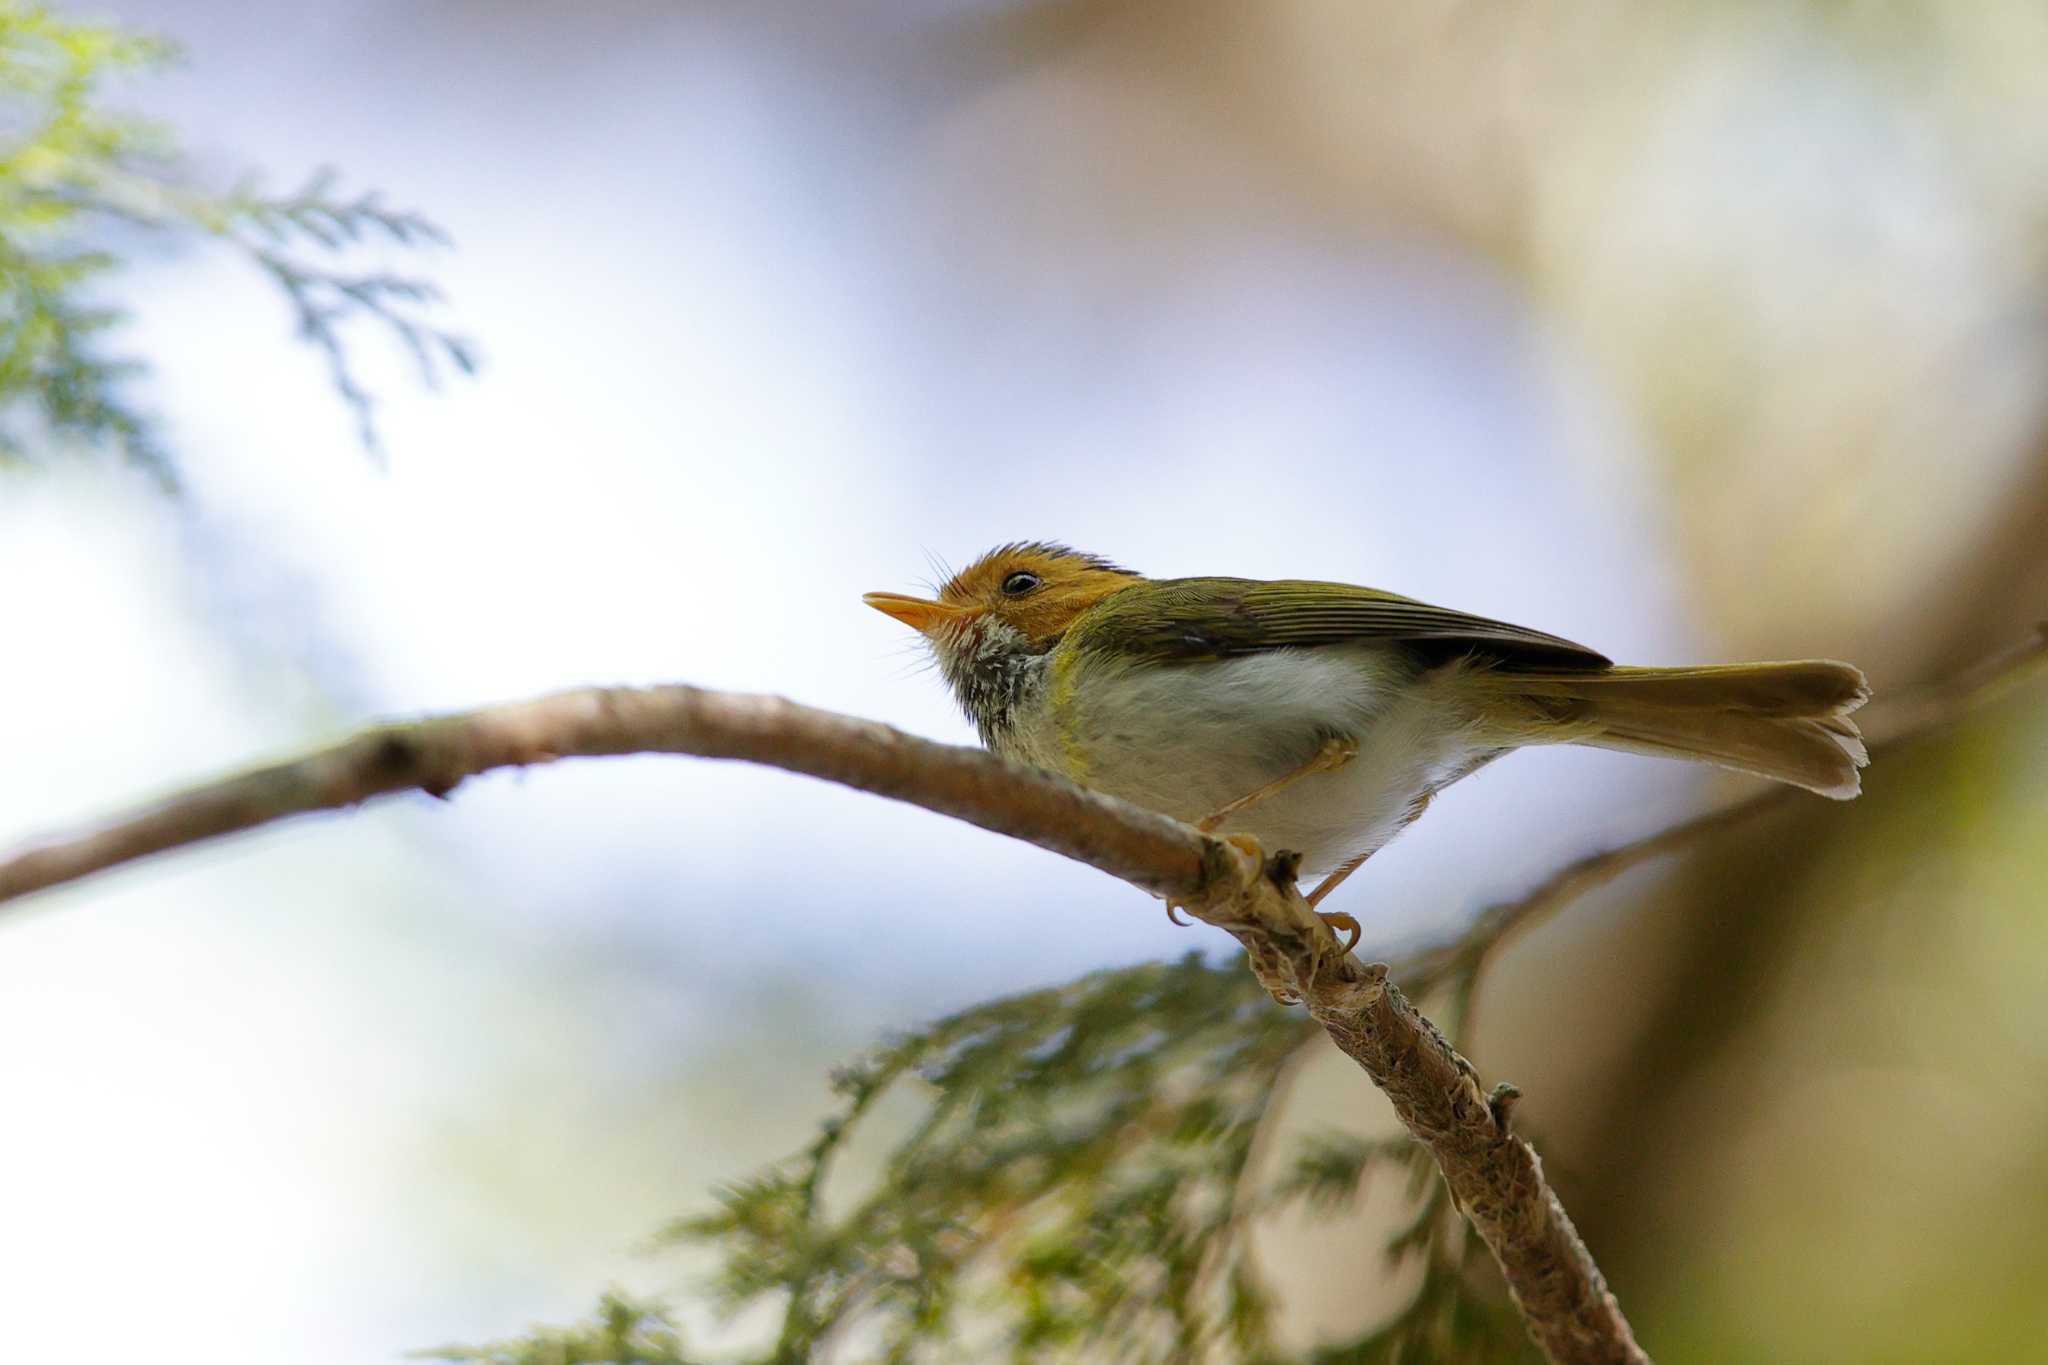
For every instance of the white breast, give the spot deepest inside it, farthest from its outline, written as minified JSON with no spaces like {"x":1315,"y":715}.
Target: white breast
{"x":1188,"y":738}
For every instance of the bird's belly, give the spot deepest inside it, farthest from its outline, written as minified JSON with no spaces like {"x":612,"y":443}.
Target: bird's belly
{"x":1189,"y":738}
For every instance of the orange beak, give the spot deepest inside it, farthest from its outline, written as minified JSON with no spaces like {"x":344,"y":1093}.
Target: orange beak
{"x":915,"y":612}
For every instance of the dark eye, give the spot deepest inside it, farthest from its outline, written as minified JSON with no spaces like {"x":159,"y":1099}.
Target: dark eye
{"x":1019,"y":583}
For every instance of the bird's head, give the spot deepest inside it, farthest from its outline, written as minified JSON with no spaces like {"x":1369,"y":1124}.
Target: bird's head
{"x":1017,"y":598}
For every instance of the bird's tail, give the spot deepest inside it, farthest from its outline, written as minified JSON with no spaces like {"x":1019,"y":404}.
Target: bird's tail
{"x":1785,"y":721}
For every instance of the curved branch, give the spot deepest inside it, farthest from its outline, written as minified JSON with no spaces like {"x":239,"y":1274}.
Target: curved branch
{"x":437,"y":754}
{"x":1494,"y":1175}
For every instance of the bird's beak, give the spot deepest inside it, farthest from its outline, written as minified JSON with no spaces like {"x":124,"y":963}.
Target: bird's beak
{"x":915,"y":612}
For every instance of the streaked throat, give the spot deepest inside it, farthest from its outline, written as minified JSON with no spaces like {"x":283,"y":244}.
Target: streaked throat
{"x":997,"y":678}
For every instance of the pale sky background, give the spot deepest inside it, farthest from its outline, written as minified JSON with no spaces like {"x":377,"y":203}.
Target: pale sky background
{"x":771,"y":306}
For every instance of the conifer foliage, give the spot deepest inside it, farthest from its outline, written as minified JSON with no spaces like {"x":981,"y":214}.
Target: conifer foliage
{"x":78,"y":177}
{"x":1077,"y":1188}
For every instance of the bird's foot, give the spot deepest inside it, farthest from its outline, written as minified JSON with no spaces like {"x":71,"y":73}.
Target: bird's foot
{"x":1338,"y":921}
{"x":1343,"y":924}
{"x":1243,"y":843}
{"x":1247,"y":845}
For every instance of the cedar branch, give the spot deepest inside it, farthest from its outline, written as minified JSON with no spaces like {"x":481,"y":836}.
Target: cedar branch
{"x":1494,"y":1175}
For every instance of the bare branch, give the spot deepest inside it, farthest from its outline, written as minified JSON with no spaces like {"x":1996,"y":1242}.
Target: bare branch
{"x":437,"y":754}
{"x":1494,"y":1176}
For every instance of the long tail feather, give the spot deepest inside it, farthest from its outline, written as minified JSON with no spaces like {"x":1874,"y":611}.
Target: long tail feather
{"x":1785,"y":721}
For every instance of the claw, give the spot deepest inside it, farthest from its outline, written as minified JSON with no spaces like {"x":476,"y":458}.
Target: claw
{"x":1342,"y":923}
{"x":1173,"y":914}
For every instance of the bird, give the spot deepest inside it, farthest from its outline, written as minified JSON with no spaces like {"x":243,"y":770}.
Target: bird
{"x":1320,"y":718}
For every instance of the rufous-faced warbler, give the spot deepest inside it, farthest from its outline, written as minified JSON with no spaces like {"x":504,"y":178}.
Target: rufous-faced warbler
{"x":1319,"y":717}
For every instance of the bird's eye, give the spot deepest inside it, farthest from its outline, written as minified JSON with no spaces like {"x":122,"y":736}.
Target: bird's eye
{"x":1019,"y":583}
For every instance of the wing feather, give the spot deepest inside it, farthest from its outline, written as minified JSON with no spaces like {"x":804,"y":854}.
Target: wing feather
{"x":1210,"y":618}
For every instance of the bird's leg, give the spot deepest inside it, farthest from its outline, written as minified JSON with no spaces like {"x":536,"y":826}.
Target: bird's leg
{"x":1337,"y":919}
{"x":1335,"y":753}
{"x":1331,"y":882}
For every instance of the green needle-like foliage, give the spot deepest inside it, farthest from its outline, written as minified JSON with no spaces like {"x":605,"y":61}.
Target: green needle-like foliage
{"x":72,"y":170}
{"x":622,"y":1332}
{"x":1076,"y":1188}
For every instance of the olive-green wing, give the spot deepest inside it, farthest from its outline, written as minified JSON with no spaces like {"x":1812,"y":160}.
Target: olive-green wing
{"x":1212,"y":618}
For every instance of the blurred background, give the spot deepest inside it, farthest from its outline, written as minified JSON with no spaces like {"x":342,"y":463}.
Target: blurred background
{"x":1693,"y":332}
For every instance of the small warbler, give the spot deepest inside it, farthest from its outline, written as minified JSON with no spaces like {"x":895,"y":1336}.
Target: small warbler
{"x":1319,"y":717}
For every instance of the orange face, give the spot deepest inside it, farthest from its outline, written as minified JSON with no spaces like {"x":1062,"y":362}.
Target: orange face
{"x":1035,"y":588}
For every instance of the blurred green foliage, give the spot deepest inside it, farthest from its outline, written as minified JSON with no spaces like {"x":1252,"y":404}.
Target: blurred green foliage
{"x":621,"y":1332}
{"x":72,"y":167}
{"x":1081,"y":1186}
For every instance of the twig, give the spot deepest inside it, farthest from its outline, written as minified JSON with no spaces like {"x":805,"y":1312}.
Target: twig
{"x":1494,"y":1176}
{"x":437,"y":754}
